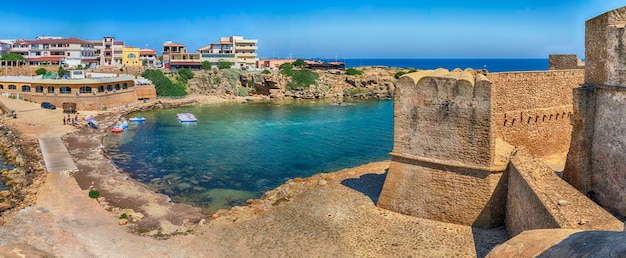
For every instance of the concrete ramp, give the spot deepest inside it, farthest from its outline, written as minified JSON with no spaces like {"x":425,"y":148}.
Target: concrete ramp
{"x":55,"y":155}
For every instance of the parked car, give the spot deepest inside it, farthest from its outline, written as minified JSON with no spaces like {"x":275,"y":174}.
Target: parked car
{"x":48,"y":105}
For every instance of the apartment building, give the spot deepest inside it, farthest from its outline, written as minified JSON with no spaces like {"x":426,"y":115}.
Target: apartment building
{"x":170,"y":48}
{"x":109,"y":51}
{"x":5,"y":46}
{"x":70,"y":52}
{"x":148,"y":57}
{"x":242,"y":53}
{"x":130,"y":56}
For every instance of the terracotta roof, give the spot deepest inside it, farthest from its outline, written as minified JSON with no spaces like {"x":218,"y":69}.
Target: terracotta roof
{"x":59,"y":41}
{"x":173,"y":45}
{"x":118,"y":43}
{"x":46,"y":58}
{"x":147,"y":52}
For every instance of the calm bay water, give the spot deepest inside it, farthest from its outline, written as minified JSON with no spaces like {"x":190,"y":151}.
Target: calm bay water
{"x":238,"y":151}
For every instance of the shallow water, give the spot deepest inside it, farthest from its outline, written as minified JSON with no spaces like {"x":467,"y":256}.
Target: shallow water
{"x":237,"y":152}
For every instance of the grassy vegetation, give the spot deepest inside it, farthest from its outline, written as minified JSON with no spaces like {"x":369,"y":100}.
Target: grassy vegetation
{"x":352,"y":71}
{"x":164,"y":86}
{"x":41,"y":71}
{"x":300,"y":78}
{"x":123,"y":216}
{"x":266,"y":72}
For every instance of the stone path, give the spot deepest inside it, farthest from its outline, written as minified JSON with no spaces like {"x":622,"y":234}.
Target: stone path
{"x":55,"y":155}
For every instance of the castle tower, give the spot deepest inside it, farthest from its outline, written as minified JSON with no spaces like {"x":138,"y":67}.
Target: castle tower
{"x":444,"y":165}
{"x":596,"y":160}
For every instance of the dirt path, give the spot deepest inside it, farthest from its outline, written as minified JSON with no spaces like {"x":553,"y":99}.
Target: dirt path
{"x":327,"y":215}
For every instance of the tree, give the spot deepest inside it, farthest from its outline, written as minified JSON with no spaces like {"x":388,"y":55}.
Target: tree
{"x":61,"y":72}
{"x":285,"y":66}
{"x":41,"y":71}
{"x":206,"y":65}
{"x":12,"y":57}
{"x":299,"y":63}
{"x":225,"y":65}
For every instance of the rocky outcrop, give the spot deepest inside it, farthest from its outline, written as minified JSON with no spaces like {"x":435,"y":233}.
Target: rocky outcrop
{"x":24,"y":180}
{"x":374,"y":83}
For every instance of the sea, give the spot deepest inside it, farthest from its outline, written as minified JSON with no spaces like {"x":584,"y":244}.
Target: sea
{"x":238,"y":151}
{"x":491,"y":65}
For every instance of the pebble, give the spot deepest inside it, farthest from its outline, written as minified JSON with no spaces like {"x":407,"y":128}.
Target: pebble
{"x":562,"y":202}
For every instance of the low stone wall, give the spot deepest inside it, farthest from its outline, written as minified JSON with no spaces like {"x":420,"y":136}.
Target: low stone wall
{"x":100,"y":101}
{"x":443,"y":192}
{"x":539,"y":199}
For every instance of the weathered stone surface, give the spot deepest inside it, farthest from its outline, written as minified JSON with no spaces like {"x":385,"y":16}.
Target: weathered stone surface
{"x":563,"y":243}
{"x":605,"y":60}
{"x":539,"y":199}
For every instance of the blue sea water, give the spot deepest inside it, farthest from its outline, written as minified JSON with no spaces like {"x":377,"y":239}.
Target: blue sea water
{"x":492,"y":65}
{"x":237,"y":152}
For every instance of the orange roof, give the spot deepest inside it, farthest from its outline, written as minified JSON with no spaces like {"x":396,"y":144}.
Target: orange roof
{"x":147,"y":52}
{"x":59,"y":41}
{"x":46,"y":58}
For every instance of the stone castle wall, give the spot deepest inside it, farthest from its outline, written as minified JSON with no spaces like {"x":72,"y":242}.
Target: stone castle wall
{"x":595,"y":164}
{"x":539,"y":199}
{"x":445,"y":116}
{"x":533,"y":109}
{"x":443,"y":161}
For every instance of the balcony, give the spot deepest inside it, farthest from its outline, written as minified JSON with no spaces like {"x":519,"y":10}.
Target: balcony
{"x":250,"y":48}
{"x":248,"y":55}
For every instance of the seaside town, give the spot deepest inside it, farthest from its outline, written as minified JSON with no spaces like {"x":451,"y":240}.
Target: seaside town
{"x":483,"y":164}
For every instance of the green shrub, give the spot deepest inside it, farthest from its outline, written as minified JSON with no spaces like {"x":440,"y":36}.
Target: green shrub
{"x":184,"y":75}
{"x":206,"y":65}
{"x":123,"y":216}
{"x":225,"y":65}
{"x":352,"y":71}
{"x":242,"y":91}
{"x":285,"y":66}
{"x":41,"y":71}
{"x":398,"y":74}
{"x":94,"y":194}
{"x":163,"y":85}
{"x":266,"y":72}
{"x":412,"y":70}
{"x":301,"y":78}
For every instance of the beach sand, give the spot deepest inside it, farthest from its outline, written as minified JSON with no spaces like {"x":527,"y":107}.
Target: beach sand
{"x":326,"y":215}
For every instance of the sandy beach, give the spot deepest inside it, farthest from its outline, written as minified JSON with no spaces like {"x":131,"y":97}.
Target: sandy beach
{"x":326,"y":215}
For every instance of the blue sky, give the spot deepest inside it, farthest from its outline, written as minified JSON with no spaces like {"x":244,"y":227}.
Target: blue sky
{"x":346,"y":29}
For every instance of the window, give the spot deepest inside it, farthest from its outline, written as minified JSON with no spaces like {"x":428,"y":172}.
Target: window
{"x":101,"y":88}
{"x":117,"y":86}
{"x":12,"y":87}
{"x":25,"y":88}
{"x":85,"y":89}
{"x":109,"y":87}
{"x":65,"y":90}
{"x":131,"y":56}
{"x":125,"y":86}
{"x":50,"y":89}
{"x":39,"y":88}
{"x":1,"y":87}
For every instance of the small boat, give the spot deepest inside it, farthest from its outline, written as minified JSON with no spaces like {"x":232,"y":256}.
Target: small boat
{"x":137,"y":119}
{"x":117,"y":129}
{"x":186,"y":117}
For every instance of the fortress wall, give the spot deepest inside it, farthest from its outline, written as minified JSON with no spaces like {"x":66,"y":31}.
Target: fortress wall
{"x":539,"y":199}
{"x":444,"y":115}
{"x":146,"y":92}
{"x":609,"y":149}
{"x":443,"y":159}
{"x":445,"y":193}
{"x":533,"y":109}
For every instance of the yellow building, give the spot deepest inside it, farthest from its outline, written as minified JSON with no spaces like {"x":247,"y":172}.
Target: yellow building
{"x":130,"y":56}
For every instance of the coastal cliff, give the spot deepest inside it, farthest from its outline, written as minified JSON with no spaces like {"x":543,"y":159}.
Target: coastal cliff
{"x":373,"y":83}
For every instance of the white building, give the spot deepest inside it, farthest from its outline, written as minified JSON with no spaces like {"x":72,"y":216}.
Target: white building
{"x":242,"y":53}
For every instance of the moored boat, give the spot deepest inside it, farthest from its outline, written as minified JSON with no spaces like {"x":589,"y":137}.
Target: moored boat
{"x":117,"y":129}
{"x":137,"y":119}
{"x":186,"y":117}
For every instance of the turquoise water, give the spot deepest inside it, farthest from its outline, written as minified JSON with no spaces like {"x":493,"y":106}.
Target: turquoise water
{"x":237,"y":152}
